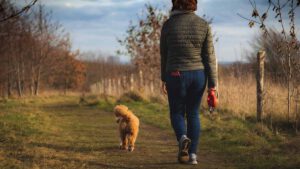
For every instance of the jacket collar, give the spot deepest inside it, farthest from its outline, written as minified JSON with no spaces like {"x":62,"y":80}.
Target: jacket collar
{"x":179,"y":12}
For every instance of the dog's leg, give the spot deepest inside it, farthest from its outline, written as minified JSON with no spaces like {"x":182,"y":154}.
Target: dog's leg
{"x":131,"y":139}
{"x":124,"y":142}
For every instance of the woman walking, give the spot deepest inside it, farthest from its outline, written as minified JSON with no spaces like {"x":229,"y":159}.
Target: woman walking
{"x":188,"y":63}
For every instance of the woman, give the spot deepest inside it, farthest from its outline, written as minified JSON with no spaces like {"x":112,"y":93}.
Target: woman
{"x":188,"y":62}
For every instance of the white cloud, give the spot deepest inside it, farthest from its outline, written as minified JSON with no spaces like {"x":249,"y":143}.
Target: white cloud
{"x":94,"y":3}
{"x":95,"y":24}
{"x":232,"y":41}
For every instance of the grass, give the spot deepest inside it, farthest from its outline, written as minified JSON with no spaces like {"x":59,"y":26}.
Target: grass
{"x":62,"y":132}
{"x":238,"y":95}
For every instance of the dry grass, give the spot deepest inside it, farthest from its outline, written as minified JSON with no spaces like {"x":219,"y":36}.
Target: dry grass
{"x":58,"y":132}
{"x":238,"y":95}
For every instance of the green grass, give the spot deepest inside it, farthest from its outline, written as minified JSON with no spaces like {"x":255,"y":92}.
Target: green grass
{"x":243,"y":143}
{"x":62,"y":132}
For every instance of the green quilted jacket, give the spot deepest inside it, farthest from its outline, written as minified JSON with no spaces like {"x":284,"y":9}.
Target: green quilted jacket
{"x":186,"y":44}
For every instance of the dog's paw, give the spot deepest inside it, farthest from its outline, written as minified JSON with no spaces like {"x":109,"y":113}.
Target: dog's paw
{"x":131,"y":148}
{"x":123,"y":147}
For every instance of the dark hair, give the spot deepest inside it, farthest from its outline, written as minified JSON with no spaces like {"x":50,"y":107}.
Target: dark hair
{"x":184,"y":5}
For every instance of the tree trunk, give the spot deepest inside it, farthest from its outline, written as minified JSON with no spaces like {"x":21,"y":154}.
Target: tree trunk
{"x":37,"y":83}
{"x":9,"y":93}
{"x":23,"y":76}
{"x":289,"y":85}
{"x":297,"y":111}
{"x":31,"y":77}
{"x":260,"y":84}
{"x":19,"y":87}
{"x":66,"y":86}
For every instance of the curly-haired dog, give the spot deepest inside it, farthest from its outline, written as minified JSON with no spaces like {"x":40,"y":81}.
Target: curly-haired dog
{"x":128,"y":127}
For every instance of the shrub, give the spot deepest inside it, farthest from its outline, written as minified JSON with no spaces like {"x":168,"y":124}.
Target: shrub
{"x":132,"y":96}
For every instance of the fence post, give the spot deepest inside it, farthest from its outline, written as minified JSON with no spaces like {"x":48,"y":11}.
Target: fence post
{"x":124,"y":83}
{"x":98,"y":87}
{"x":131,"y":82}
{"x":113,"y":87}
{"x":260,"y":84}
{"x":141,"y":80}
{"x":152,"y":87}
{"x":297,"y":110}
{"x":119,"y":87}
{"x":109,"y":87}
{"x":102,"y":87}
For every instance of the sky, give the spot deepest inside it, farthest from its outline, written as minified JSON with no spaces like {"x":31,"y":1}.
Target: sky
{"x":95,"y":25}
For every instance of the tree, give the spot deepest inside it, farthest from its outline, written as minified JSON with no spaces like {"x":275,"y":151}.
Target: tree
{"x":142,"y":42}
{"x":15,"y":13}
{"x":70,"y":73}
{"x":286,"y":52}
{"x":30,"y":48}
{"x":275,"y":70}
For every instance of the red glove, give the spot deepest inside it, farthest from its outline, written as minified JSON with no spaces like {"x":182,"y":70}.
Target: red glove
{"x":212,"y":98}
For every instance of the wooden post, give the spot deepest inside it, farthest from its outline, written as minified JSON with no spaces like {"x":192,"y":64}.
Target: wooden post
{"x":105,"y":87}
{"x":260,"y":84}
{"x":109,"y":87}
{"x":131,"y":82}
{"x":124,"y":82}
{"x":114,"y":87}
{"x":119,"y":87}
{"x":297,"y":110}
{"x":141,"y":80}
{"x":152,"y":87}
{"x":102,"y":87}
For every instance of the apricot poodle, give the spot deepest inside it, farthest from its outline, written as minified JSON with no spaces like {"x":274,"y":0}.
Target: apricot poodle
{"x":128,"y":127}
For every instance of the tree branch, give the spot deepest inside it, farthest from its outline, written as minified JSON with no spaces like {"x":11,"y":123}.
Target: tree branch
{"x":24,"y":9}
{"x":248,"y":19}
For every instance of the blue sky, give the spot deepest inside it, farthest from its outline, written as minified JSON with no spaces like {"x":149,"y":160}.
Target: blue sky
{"x":95,"y":25}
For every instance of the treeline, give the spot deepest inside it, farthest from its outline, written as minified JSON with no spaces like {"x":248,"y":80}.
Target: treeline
{"x":35,"y":53}
{"x":99,"y":68}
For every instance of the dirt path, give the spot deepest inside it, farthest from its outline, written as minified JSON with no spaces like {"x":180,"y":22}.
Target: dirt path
{"x":88,"y":138}
{"x":60,"y":134}
{"x":68,"y":136}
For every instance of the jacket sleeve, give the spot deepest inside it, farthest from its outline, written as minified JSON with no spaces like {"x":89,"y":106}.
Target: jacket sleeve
{"x":163,"y":53}
{"x":209,"y":60}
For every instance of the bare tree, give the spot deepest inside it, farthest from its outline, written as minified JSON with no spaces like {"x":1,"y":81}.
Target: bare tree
{"x":30,"y":48}
{"x":142,"y":43}
{"x":285,"y":12}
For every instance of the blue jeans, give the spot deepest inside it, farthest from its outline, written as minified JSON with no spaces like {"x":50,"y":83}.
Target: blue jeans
{"x":184,"y":94}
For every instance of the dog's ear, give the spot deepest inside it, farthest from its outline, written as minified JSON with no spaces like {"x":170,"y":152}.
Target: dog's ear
{"x":119,"y":108}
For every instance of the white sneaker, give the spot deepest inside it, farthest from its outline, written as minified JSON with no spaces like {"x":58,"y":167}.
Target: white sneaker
{"x":184,"y":145}
{"x":193,"y":159}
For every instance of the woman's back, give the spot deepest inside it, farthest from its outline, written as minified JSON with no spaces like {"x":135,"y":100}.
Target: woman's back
{"x":186,"y":44}
{"x":185,"y":34}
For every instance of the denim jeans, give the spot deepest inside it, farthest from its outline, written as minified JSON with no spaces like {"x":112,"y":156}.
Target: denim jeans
{"x":185,"y":92}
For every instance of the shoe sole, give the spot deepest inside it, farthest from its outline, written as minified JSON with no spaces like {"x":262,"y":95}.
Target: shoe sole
{"x":183,"y":156}
{"x":192,"y":163}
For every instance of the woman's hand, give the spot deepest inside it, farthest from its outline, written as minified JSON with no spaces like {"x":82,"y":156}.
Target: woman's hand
{"x":212,"y":98}
{"x":164,"y":88}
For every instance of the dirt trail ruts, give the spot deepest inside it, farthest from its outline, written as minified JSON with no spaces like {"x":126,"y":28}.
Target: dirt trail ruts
{"x":87,"y":138}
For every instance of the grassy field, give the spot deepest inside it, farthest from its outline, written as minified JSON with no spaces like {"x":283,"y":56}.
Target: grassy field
{"x":59,"y":132}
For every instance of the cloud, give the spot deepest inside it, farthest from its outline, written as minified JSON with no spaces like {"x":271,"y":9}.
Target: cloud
{"x":93,"y":3}
{"x":95,"y":24}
